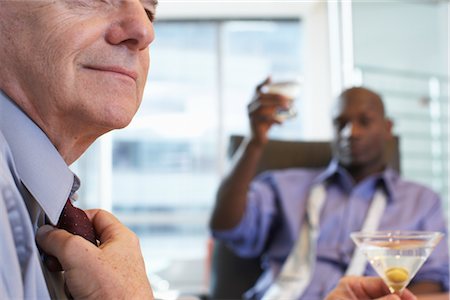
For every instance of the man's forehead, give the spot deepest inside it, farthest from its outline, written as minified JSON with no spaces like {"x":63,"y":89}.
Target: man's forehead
{"x":360,"y":97}
{"x":366,"y":105}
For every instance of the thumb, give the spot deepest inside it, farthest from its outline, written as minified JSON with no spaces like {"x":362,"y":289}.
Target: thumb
{"x":61,"y":244}
{"x":107,"y":226}
{"x":405,"y":295}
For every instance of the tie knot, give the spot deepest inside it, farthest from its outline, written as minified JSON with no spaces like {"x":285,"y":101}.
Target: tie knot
{"x":75,"y":221}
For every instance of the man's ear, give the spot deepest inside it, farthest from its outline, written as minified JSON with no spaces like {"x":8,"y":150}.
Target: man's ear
{"x":388,"y":124}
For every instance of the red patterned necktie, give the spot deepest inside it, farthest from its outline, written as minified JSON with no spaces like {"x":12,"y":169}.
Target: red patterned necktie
{"x":75,"y":221}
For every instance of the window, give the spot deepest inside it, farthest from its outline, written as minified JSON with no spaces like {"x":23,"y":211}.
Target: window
{"x":405,"y":59}
{"x":418,"y":105}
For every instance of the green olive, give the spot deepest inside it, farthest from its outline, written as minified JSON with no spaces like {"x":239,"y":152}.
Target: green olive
{"x":397,"y":274}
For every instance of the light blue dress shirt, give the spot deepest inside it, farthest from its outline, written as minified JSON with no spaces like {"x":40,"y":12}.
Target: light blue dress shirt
{"x":35,"y":183}
{"x":275,"y":210}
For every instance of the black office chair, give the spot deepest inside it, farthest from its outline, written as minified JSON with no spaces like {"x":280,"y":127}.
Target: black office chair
{"x":231,"y":275}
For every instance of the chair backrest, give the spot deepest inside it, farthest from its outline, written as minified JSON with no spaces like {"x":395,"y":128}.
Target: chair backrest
{"x":231,"y":275}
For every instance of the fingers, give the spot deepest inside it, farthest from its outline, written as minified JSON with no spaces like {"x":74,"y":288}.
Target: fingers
{"x":373,"y":287}
{"x":50,"y":239}
{"x":253,"y":106}
{"x":61,"y":244}
{"x":52,"y":263}
{"x":357,"y":287}
{"x":107,"y":227}
{"x":262,"y":111}
{"x":266,"y":81}
{"x":389,"y":297}
{"x":264,"y":106}
{"x":115,"y":269}
{"x":269,"y":101}
{"x":407,"y":295}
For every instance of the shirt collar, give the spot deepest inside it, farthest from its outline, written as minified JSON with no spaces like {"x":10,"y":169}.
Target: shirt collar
{"x":39,"y":165}
{"x":389,"y":178}
{"x":331,"y":170}
{"x":385,"y":180}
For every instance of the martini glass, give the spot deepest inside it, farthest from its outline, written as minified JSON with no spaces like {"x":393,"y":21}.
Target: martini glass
{"x":396,"y":255}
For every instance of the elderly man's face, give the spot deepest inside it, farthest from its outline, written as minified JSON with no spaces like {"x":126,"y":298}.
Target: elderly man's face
{"x":83,"y":61}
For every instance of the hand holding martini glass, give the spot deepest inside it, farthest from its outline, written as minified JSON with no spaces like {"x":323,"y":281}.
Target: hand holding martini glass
{"x":396,"y":255}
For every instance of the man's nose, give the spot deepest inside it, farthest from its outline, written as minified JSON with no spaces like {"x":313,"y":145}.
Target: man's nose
{"x":131,"y":26}
{"x":346,"y":131}
{"x":350,"y":130}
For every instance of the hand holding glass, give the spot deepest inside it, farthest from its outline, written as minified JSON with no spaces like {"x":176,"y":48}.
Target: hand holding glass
{"x":289,"y":89}
{"x":396,"y":255}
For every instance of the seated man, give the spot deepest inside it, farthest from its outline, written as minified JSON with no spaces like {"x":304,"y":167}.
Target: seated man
{"x":266,"y":216}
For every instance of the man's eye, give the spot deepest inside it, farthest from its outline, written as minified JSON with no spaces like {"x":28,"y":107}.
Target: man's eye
{"x":364,"y":121}
{"x":150,"y":15}
{"x":339,"y":124}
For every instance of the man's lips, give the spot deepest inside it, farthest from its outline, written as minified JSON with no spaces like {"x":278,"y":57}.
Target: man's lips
{"x":115,"y":69}
{"x":353,"y":148}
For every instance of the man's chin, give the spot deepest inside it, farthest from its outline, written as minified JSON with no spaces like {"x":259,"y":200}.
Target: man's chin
{"x":344,"y":157}
{"x":120,"y":114}
{"x":350,"y":162}
{"x":122,"y":122}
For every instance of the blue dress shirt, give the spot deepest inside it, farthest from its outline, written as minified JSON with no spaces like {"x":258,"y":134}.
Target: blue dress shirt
{"x":276,"y":206}
{"x":35,"y":183}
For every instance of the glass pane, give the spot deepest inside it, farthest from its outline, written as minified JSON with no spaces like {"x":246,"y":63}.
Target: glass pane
{"x":405,"y":58}
{"x":252,"y":51}
{"x":164,"y":163}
